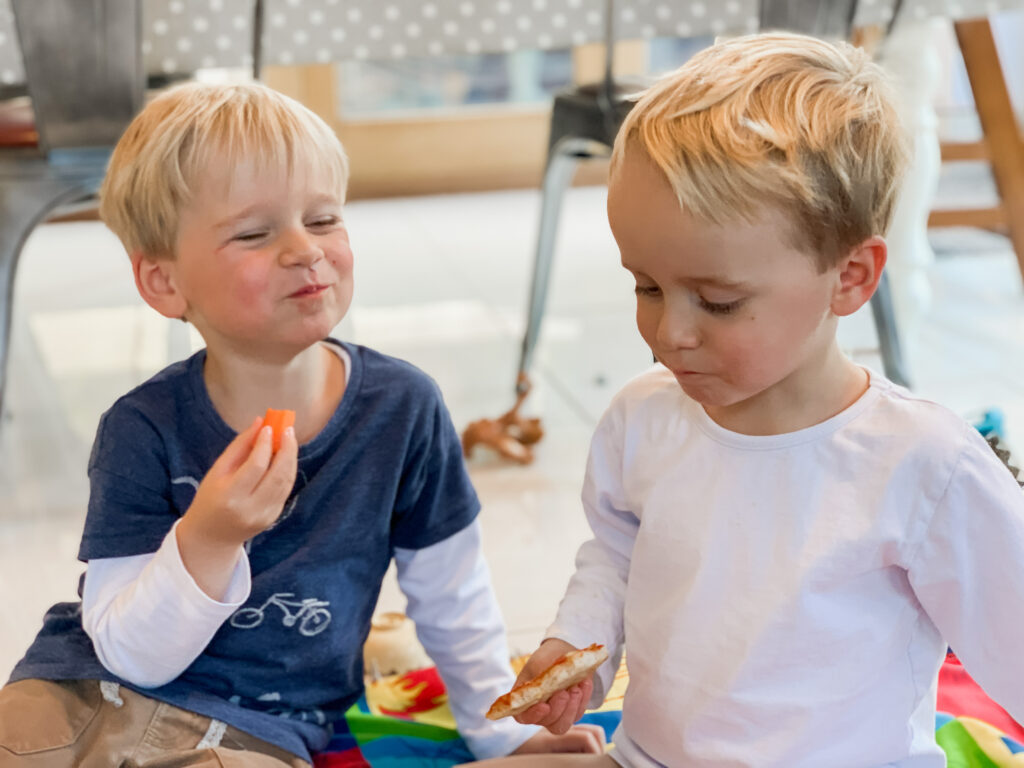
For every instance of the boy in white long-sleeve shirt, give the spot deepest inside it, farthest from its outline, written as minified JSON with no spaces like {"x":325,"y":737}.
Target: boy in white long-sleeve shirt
{"x":229,"y":588}
{"x":784,"y":542}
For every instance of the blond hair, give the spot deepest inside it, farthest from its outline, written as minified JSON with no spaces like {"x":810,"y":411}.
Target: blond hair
{"x":163,"y":154}
{"x":781,"y":121}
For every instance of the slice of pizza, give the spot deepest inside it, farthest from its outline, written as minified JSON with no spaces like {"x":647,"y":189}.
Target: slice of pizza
{"x":574,"y":667}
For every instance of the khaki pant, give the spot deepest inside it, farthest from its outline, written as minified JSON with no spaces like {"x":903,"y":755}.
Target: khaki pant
{"x":76,"y":724}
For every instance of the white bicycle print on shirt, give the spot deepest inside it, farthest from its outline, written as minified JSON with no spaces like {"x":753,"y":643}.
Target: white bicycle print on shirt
{"x":312,"y":615}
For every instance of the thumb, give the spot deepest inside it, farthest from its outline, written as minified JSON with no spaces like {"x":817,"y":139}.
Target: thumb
{"x":537,"y":663}
{"x":523,"y":676}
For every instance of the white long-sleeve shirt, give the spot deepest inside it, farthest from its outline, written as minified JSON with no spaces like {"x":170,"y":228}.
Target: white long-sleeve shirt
{"x":149,"y":621}
{"x":786,"y":600}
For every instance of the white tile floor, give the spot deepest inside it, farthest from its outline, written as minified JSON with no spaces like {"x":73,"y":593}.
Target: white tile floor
{"x":441,"y":282}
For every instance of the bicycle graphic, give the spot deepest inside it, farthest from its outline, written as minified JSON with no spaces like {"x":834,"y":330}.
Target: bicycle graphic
{"x":312,"y":615}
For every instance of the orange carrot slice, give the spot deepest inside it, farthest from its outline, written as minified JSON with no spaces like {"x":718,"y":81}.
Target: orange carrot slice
{"x":278,"y":421}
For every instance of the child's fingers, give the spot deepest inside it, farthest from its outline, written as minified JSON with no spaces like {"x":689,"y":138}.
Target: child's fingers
{"x":585,"y":738}
{"x":555,"y":711}
{"x":590,"y":738}
{"x":597,"y":736}
{"x":535,"y":714}
{"x":252,"y":470}
{"x":586,"y":690}
{"x":289,"y":444}
{"x":277,"y":482}
{"x":567,"y":718}
{"x":238,"y":450}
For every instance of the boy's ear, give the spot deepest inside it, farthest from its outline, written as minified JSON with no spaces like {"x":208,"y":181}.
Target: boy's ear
{"x":859,"y":273}
{"x":155,"y":280}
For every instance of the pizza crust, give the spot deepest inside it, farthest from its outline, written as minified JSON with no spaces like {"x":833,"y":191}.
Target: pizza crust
{"x":572,"y":668}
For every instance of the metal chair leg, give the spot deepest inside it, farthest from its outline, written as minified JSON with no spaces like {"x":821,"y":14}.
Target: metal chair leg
{"x":888,"y":335}
{"x":29,"y":191}
{"x":11,"y":241}
{"x":561,"y":167}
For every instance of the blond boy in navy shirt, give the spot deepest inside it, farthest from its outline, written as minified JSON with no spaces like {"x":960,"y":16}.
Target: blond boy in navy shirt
{"x":784,"y":542}
{"x":229,"y":589}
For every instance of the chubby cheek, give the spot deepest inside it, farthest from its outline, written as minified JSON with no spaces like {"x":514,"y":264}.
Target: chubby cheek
{"x":239,"y":300}
{"x":342,"y":262}
{"x":251,"y":288}
{"x":338,"y":251}
{"x":758,"y":356}
{"x":749,"y":361}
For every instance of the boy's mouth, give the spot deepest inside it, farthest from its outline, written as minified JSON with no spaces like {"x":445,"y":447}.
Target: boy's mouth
{"x":308,"y":290}
{"x":684,"y":372}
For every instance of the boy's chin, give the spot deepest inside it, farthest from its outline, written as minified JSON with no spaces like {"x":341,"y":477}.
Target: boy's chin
{"x":281,"y":348}
{"x":313,"y":330}
{"x":704,"y":390}
{"x":713,"y":394}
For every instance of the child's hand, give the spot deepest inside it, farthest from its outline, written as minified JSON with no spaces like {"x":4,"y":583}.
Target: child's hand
{"x":564,"y":708}
{"x":242,"y":495}
{"x":587,"y":739}
{"x":246,"y":488}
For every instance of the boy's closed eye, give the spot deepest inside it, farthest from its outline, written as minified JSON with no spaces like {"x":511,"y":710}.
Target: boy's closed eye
{"x":324,"y":222}
{"x":719,"y":308}
{"x":711,"y":307}
{"x":250,"y":237}
{"x":319,"y":224}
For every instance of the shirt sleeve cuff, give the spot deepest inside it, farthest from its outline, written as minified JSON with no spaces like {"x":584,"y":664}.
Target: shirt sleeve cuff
{"x":238,"y":588}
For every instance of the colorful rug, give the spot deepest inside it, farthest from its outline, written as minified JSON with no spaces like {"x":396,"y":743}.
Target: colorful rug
{"x":404,"y":722}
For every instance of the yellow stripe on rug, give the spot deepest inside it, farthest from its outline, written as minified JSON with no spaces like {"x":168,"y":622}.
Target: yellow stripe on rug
{"x":990,"y":739}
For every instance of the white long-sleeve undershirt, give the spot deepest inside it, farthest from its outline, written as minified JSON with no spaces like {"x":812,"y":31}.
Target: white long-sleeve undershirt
{"x":149,"y":620}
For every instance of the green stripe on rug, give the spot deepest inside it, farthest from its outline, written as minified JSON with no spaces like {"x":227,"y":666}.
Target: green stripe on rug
{"x":366,"y":727}
{"x":962,"y":751}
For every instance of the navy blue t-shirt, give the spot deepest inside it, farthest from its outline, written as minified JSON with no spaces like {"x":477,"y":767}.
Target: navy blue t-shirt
{"x":386,"y":472}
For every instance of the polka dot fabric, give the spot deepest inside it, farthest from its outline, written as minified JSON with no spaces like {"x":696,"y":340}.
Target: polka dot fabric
{"x":379,"y":29}
{"x":181,"y":36}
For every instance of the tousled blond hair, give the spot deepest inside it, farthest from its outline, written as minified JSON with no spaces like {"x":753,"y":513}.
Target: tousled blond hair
{"x":777,"y":121}
{"x":165,"y":151}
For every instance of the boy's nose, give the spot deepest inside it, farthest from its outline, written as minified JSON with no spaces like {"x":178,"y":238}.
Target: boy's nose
{"x":677,"y":328}
{"x":299,"y":249}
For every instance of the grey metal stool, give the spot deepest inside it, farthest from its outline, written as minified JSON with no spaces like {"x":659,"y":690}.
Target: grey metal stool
{"x":584,"y":122}
{"x":84,"y":71}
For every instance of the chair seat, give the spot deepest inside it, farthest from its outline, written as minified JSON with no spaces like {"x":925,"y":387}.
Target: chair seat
{"x":583,"y":112}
